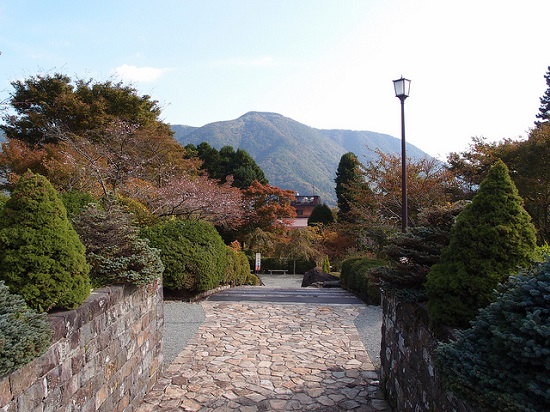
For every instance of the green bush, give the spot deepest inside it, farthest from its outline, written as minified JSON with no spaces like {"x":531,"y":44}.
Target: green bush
{"x":492,"y":238}
{"x":75,"y":201}
{"x":24,"y":333}
{"x":502,"y":362}
{"x":237,"y":270}
{"x":357,"y":276}
{"x":193,"y":254}
{"x":113,"y":247}
{"x":41,"y":256}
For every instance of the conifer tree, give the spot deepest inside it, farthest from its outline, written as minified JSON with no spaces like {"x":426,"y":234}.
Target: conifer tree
{"x":41,"y":256}
{"x":492,"y":237}
{"x":502,"y":362}
{"x":348,"y":175}
{"x":544,"y":110}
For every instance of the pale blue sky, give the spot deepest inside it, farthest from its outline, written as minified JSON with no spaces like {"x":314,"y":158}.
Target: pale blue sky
{"x":476,"y":66}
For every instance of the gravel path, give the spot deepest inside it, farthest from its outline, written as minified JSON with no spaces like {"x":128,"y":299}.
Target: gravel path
{"x":182,"y":320}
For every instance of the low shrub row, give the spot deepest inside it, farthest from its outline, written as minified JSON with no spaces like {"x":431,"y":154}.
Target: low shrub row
{"x":357,"y":275}
{"x":300,"y":265}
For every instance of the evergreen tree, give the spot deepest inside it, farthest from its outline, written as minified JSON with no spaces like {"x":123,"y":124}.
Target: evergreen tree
{"x":24,"y":334}
{"x":492,"y":237}
{"x":41,"y":256}
{"x":544,"y":110}
{"x":502,"y":362}
{"x":321,"y":214}
{"x":113,"y":247}
{"x":229,"y":162}
{"x":348,"y":175}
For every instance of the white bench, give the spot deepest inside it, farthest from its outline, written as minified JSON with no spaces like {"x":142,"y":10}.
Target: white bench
{"x":283,"y":271}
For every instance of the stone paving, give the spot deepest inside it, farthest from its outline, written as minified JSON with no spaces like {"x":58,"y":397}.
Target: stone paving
{"x":271,"y":357}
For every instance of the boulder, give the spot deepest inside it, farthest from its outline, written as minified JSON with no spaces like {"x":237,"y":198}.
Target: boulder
{"x":317,"y":278}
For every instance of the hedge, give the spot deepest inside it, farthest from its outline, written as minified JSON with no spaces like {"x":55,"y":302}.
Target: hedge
{"x":356,"y":276}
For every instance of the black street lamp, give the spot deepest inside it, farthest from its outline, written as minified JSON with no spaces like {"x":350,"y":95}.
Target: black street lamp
{"x":402,"y":87}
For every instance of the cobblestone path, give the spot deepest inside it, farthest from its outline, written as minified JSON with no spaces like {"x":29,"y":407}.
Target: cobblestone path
{"x":271,"y":357}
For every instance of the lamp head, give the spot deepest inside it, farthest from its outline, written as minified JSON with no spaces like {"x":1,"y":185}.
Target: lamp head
{"x":402,"y":87}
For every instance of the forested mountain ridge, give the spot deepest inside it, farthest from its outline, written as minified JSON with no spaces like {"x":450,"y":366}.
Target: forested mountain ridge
{"x":292,"y":155}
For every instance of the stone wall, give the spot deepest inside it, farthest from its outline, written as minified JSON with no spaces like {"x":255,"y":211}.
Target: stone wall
{"x":105,"y":355}
{"x":408,"y":374}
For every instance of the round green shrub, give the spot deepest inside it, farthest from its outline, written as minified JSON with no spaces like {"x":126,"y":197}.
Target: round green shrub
{"x":193,"y":254}
{"x":502,"y":362}
{"x":41,"y":256}
{"x":113,"y":247}
{"x":24,"y":333}
{"x":493,"y":237}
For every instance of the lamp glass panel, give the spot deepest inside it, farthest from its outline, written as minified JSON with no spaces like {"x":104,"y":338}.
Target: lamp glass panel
{"x":398,"y":85}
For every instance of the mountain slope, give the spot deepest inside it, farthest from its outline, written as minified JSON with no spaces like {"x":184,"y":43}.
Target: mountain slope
{"x":292,"y":155}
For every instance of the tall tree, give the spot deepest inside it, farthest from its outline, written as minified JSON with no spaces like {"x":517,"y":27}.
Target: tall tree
{"x":348,"y":177}
{"x":544,"y":110}
{"x":492,"y":237}
{"x":42,"y":103}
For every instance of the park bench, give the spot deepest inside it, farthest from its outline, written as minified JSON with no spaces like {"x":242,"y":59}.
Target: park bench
{"x":283,"y":271}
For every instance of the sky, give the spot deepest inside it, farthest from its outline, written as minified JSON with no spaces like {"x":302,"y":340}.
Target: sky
{"x":476,"y":66}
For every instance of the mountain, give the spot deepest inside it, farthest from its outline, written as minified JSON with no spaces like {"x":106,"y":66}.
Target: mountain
{"x":292,"y":155}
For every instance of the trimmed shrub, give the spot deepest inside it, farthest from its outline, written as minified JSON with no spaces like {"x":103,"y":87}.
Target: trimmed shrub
{"x":193,"y":254}
{"x":320,"y":215}
{"x":113,"y":248}
{"x":492,"y":238}
{"x":357,"y":276}
{"x":24,"y":333}
{"x":41,"y":256}
{"x":237,"y":271}
{"x":502,"y":362}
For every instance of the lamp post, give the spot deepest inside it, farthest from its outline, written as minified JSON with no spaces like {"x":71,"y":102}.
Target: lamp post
{"x":402,"y":87}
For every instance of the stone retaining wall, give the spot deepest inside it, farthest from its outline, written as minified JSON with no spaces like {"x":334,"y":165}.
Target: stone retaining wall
{"x":408,"y":374}
{"x":105,"y":355}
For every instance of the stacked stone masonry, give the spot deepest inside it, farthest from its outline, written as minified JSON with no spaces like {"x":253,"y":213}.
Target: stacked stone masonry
{"x":105,"y":356}
{"x":408,"y":374}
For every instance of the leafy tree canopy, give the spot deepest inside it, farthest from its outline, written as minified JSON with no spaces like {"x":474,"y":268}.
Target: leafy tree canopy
{"x":228,"y":162}
{"x":44,"y":102}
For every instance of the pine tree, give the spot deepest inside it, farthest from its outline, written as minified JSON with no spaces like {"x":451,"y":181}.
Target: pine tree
{"x":492,"y":237}
{"x":544,"y":110}
{"x":41,"y":256}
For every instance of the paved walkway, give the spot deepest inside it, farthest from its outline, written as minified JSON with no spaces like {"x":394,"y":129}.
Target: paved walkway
{"x":271,"y":357}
